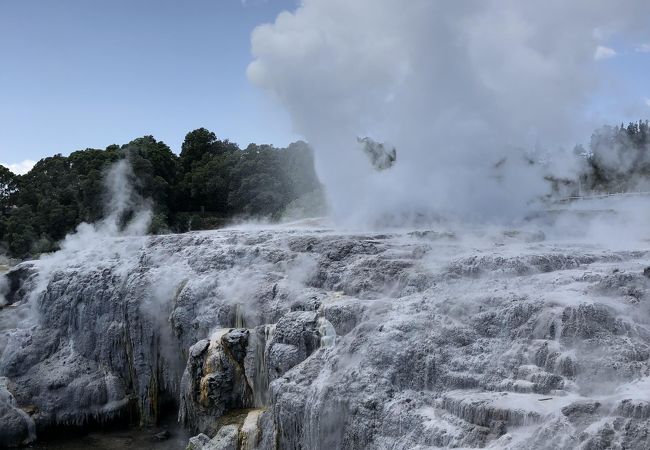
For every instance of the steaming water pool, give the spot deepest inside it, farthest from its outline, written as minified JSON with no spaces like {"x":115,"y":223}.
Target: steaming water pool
{"x":133,"y":438}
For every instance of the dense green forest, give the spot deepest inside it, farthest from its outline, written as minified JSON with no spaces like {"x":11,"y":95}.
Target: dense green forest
{"x":210,"y":182}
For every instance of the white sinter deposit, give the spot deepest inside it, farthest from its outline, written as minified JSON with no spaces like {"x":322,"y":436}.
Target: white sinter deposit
{"x":296,"y":338}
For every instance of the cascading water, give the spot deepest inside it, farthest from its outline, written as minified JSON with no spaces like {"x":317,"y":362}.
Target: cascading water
{"x":240,"y":320}
{"x":249,"y":433}
{"x":264,"y":335}
{"x":327,"y":332}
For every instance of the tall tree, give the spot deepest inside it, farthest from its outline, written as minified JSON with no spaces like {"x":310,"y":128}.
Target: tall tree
{"x":8,"y":191}
{"x":8,"y":188}
{"x":196,"y":145}
{"x":155,"y":168}
{"x":205,"y":165}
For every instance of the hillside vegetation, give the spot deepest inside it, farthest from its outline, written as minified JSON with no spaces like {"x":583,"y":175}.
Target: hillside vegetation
{"x":211,"y":182}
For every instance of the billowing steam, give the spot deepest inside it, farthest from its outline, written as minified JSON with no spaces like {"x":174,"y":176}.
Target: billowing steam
{"x":121,"y":232}
{"x":127,"y":216}
{"x":126,"y":212}
{"x":479,"y":97}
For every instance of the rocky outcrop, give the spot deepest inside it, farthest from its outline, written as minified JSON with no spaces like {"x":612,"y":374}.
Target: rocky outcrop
{"x":244,"y":432}
{"x":296,"y":336}
{"x":214,"y":380}
{"x":16,"y":427}
{"x":16,"y":284}
{"x":299,"y":339}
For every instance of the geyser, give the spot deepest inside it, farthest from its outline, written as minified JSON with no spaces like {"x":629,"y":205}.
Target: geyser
{"x":455,"y":86}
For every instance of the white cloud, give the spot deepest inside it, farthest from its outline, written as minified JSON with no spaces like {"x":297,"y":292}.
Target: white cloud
{"x":20,"y":168}
{"x":643,"y":48}
{"x":603,"y":52}
{"x":253,"y":2}
{"x":647,"y":101}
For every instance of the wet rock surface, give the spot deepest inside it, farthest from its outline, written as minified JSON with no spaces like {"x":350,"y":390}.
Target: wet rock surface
{"x":214,"y":381}
{"x":308,"y":339}
{"x":16,"y":427}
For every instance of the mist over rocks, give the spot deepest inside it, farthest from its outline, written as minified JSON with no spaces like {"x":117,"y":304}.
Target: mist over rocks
{"x":275,"y":337}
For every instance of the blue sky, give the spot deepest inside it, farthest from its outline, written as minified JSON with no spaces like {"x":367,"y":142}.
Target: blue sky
{"x":88,"y":73}
{"x":624,"y":92}
{"x":81,"y":73}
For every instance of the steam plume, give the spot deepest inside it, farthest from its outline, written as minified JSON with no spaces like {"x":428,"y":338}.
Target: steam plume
{"x":468,"y":92}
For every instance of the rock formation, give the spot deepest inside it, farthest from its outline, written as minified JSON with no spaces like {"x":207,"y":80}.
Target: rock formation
{"x":315,"y":339}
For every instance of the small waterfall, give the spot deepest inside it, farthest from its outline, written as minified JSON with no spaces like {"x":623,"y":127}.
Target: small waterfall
{"x":261,"y":375}
{"x":240,"y":321}
{"x":327,"y":332}
{"x":249,"y":433}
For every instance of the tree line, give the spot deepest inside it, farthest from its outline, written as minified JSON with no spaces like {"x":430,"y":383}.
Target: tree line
{"x":209,"y":183}
{"x":616,"y":159}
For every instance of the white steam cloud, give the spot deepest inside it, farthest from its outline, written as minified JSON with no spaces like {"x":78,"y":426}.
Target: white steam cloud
{"x":123,"y":200}
{"x":603,"y":52}
{"x":466,"y":91}
{"x":20,"y":168}
{"x":127,"y":215}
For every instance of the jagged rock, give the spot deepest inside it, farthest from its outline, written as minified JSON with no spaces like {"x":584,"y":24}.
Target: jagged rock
{"x":589,"y":321}
{"x":344,"y":315}
{"x":235,"y":342}
{"x":198,"y":442}
{"x":267,"y":431}
{"x":487,"y":411}
{"x":214,"y":380}
{"x":581,"y":411}
{"x":16,"y":427}
{"x":635,"y":409}
{"x":310,"y":304}
{"x":518,"y":265}
{"x":241,"y":430}
{"x":355,"y":341}
{"x":69,"y":390}
{"x":18,"y":282}
{"x":296,"y":337}
{"x":226,"y":439}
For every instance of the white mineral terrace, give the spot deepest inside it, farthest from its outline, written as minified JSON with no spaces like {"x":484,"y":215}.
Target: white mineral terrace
{"x":325,"y":339}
